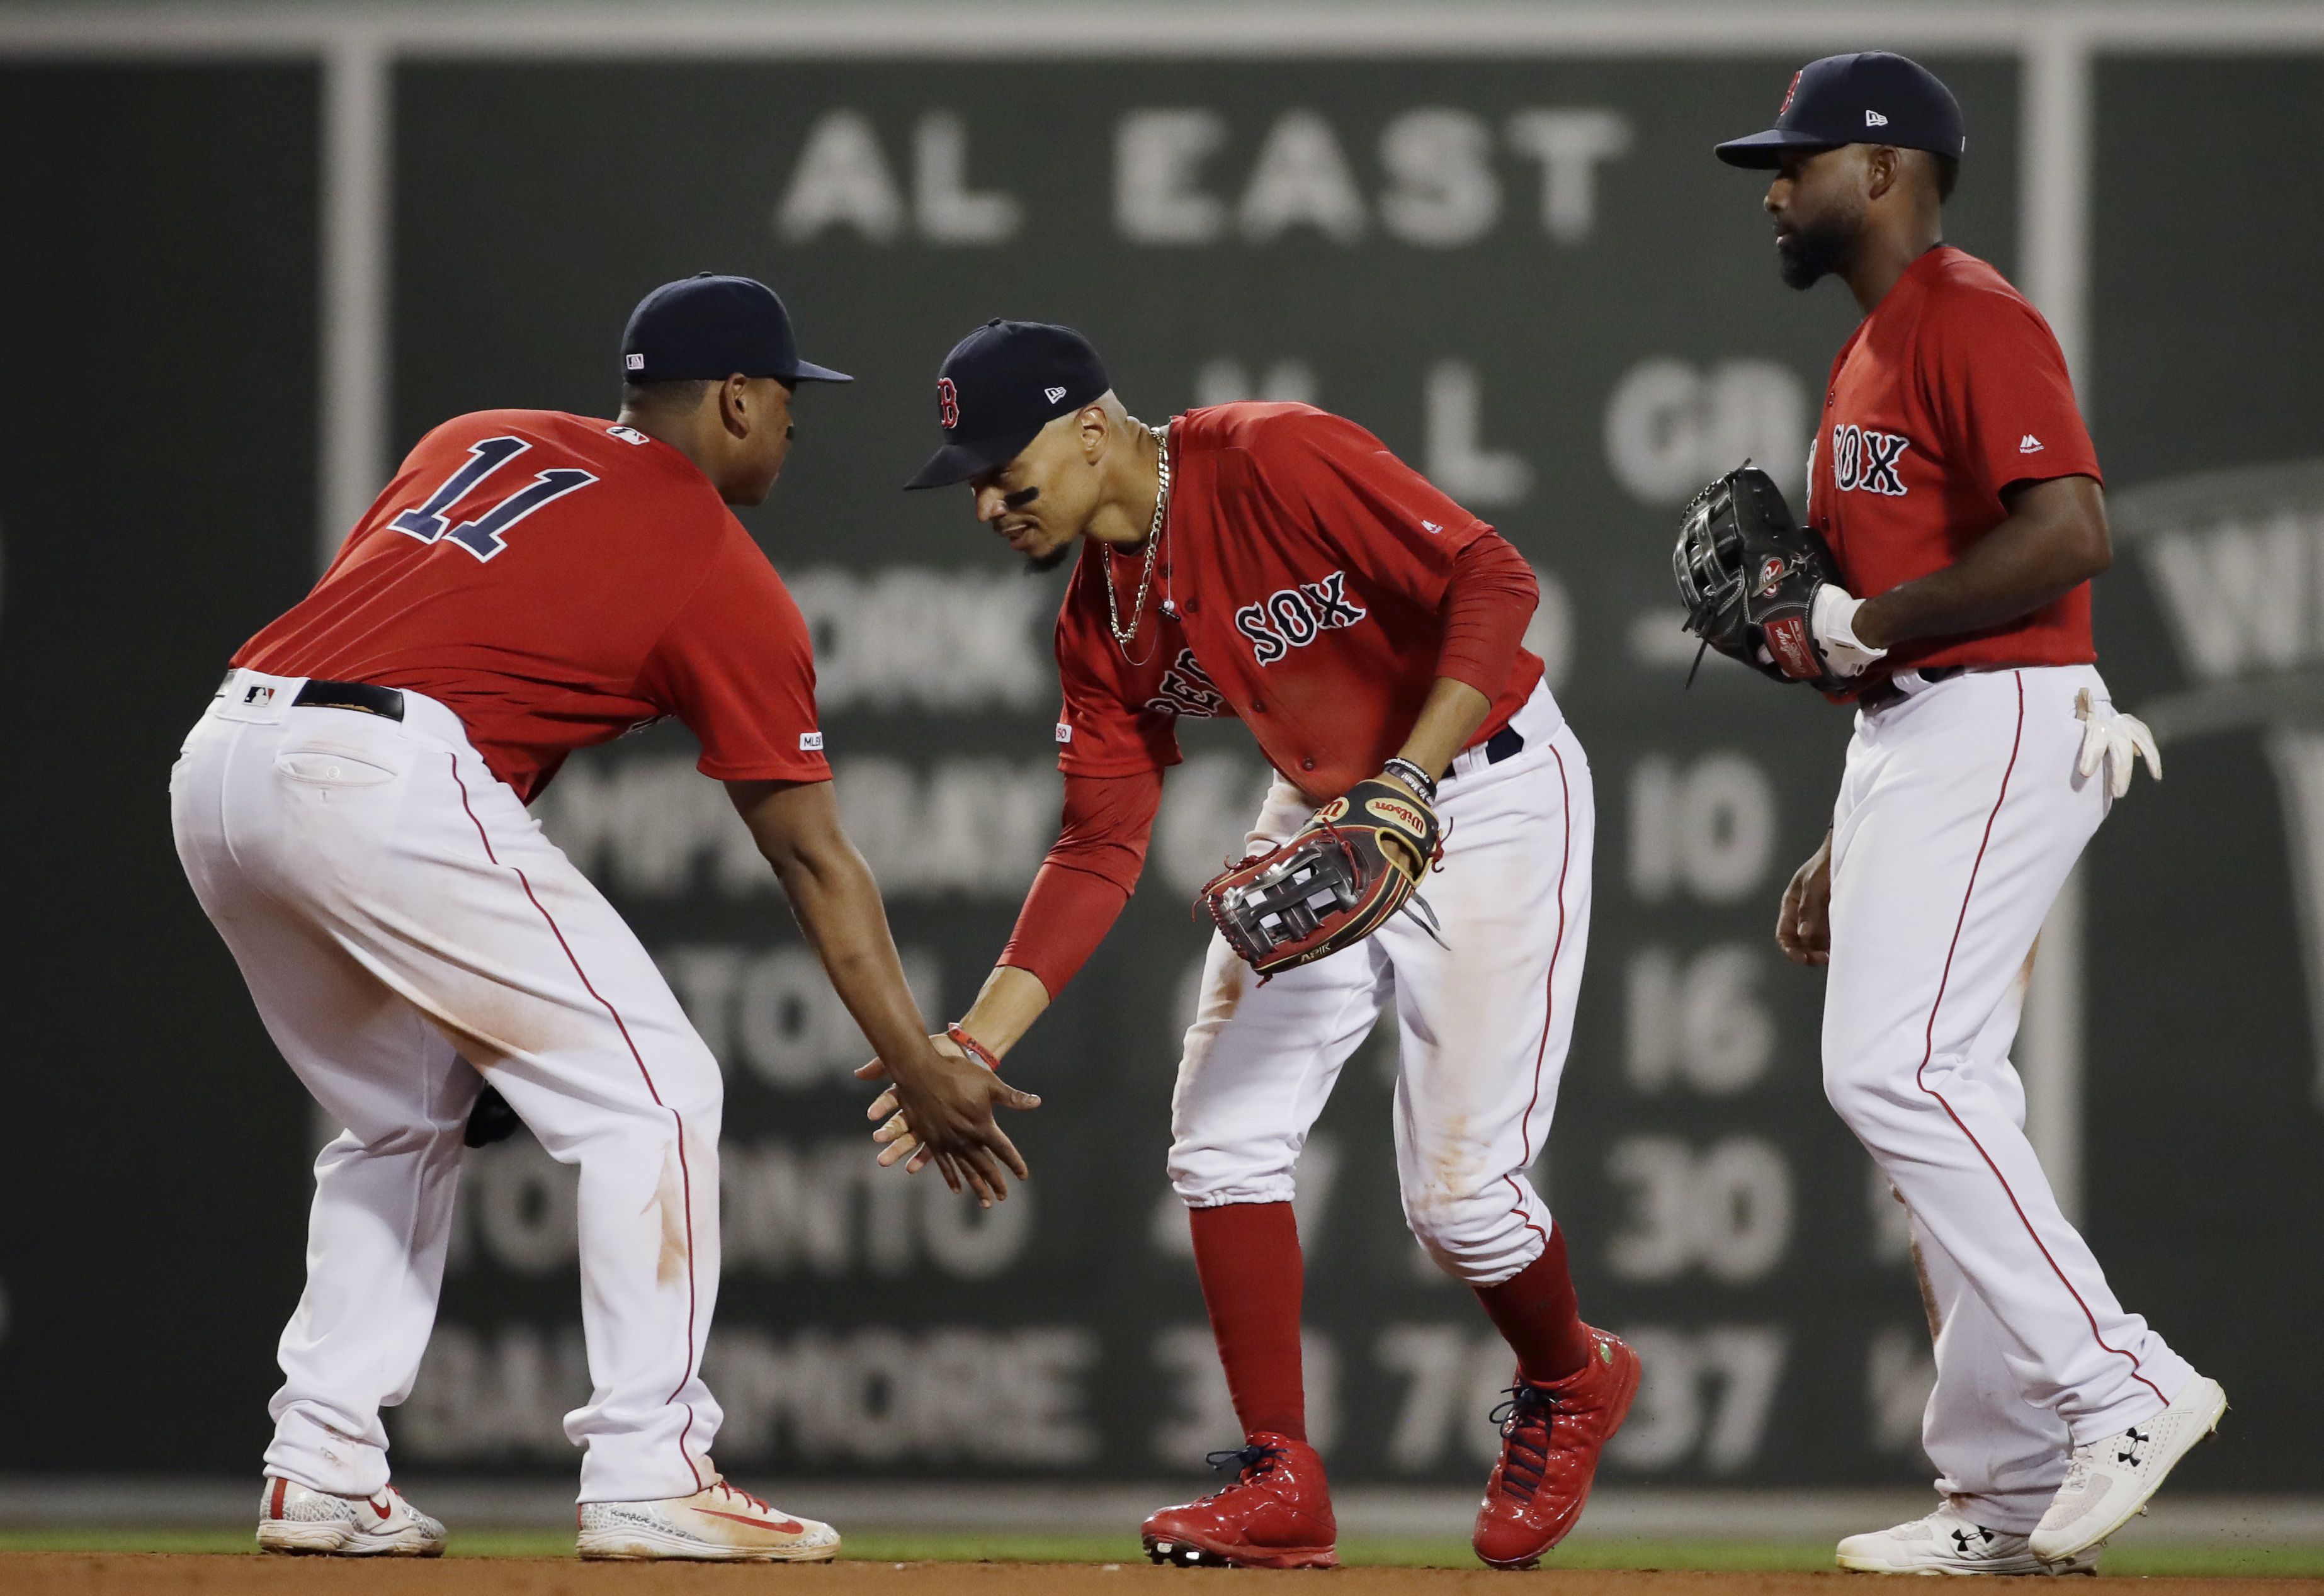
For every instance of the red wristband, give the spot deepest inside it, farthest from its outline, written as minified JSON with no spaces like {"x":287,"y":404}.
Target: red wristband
{"x":973,"y":1048}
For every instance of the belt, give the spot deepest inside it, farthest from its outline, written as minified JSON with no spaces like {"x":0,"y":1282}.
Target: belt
{"x":1504,"y":745}
{"x":1881,"y":694}
{"x":384,"y":702}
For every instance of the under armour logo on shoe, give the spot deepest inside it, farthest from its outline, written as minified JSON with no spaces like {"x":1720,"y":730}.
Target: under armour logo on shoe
{"x":1961,"y":1538}
{"x":2132,"y":1440}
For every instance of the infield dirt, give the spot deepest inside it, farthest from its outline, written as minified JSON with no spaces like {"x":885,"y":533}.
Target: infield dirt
{"x":28,"y":1573}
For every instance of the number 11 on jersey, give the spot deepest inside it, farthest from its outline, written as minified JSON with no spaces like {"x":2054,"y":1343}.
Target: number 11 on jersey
{"x":480,"y":534}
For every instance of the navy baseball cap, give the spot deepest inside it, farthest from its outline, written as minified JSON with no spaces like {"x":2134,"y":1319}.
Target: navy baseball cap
{"x":711,"y":326}
{"x":1872,"y":97}
{"x":999,"y":387}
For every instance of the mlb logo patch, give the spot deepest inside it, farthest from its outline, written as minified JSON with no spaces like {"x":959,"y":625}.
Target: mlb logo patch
{"x":636,"y":363}
{"x":629,"y":435}
{"x":261,"y":696}
{"x":810,"y":741}
{"x":1065,"y":733}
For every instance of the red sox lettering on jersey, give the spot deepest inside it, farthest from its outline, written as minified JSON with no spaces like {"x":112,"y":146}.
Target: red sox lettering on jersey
{"x":1293,"y":617}
{"x":1299,"y":587}
{"x":1865,"y":458}
{"x":1924,"y":426}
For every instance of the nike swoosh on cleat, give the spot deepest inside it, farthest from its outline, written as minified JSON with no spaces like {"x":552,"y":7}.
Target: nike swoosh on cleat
{"x":372,"y":1503}
{"x":787,"y":1526}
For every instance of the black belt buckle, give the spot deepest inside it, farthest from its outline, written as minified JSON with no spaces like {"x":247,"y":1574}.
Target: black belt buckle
{"x":384,"y":702}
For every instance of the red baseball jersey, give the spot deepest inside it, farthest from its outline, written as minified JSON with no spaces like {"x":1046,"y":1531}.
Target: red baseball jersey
{"x":1952,"y":390}
{"x":1298,"y":586}
{"x":558,"y":581}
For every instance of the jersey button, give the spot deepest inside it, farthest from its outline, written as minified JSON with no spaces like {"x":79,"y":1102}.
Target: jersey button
{"x":1258,"y":706}
{"x":1306,"y":765}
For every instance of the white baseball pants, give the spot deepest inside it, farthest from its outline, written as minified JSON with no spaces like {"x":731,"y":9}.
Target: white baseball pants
{"x":401,"y":919}
{"x":1959,"y":814}
{"x":1484,"y":1021}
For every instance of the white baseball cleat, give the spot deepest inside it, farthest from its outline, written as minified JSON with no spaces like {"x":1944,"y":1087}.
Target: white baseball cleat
{"x":1948,"y":1542}
{"x":291,"y":1517}
{"x":2108,"y":1480}
{"x":720,"y":1524}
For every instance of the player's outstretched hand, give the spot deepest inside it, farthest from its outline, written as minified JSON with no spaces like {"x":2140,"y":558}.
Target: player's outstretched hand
{"x":940,"y":1110}
{"x":1803,"y":925}
{"x":2117,"y":740}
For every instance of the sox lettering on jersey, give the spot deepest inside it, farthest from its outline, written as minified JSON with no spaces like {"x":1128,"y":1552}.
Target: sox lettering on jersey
{"x":1293,"y":617}
{"x":1862,"y":459}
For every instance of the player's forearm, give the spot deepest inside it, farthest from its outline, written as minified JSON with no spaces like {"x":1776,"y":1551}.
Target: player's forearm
{"x":2055,"y":540}
{"x":1013,"y":999}
{"x":836,"y":901}
{"x":1448,"y":720}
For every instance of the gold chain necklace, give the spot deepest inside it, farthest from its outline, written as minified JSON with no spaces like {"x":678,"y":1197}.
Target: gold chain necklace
{"x":1122,"y":639}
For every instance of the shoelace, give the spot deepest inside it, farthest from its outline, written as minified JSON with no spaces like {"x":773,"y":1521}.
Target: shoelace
{"x":734,"y":1490}
{"x":1246,"y":1460}
{"x":1523,"y":1463}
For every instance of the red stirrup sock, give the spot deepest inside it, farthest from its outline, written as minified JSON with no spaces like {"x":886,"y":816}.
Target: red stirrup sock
{"x":1534,"y":1311}
{"x":1247,"y":1256}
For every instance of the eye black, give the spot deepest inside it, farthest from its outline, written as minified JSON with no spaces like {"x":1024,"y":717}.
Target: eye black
{"x":1021,"y":498}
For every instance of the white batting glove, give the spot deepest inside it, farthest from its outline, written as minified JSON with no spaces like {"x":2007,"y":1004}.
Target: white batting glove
{"x":2117,"y":740}
{"x":1831,"y":622}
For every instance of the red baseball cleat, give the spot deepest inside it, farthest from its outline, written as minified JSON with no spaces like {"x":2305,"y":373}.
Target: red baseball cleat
{"x":1277,"y":1514}
{"x":1551,"y":1436}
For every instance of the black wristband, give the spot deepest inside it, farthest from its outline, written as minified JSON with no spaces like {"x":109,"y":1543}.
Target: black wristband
{"x":1418,"y":779}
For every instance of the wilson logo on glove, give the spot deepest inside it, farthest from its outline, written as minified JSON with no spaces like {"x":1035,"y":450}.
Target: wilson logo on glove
{"x":1401,"y":813}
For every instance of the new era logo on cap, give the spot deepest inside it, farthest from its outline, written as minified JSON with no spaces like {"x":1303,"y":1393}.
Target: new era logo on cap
{"x":1053,"y":394}
{"x":1875,"y":119}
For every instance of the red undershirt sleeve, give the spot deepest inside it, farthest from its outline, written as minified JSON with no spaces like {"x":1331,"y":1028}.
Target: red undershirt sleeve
{"x":1087,"y":877}
{"x":1489,"y":601}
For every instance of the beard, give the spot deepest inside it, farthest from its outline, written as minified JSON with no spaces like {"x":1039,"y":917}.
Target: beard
{"x":1039,"y":564}
{"x":1807,"y":256}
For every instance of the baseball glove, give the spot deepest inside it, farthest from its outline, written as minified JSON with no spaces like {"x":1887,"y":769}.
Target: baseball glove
{"x":1334,"y":883}
{"x":1748,"y":573}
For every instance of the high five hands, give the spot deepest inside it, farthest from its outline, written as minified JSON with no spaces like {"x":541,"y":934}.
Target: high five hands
{"x":944,"y":1115}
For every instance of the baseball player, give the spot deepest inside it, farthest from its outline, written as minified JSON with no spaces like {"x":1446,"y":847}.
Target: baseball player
{"x":1277,"y":564}
{"x":351,"y":813}
{"x":1957,"y":489}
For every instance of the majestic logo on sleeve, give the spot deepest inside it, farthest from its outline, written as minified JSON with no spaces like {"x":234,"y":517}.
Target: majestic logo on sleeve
{"x":1293,"y":617}
{"x":1186,"y":688}
{"x":1868,"y":461}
